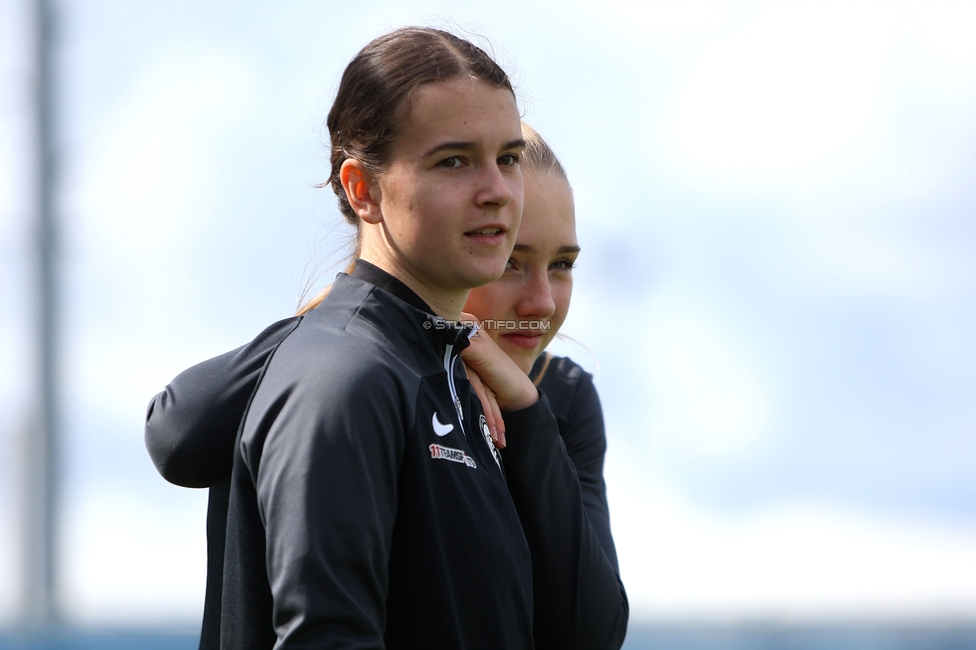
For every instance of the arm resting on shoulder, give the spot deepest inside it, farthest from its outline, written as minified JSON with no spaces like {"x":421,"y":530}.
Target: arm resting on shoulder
{"x":586,"y":443}
{"x":191,"y":426}
{"x":580,"y":601}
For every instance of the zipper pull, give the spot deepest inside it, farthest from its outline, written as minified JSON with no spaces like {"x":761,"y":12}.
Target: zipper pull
{"x":457,"y":403}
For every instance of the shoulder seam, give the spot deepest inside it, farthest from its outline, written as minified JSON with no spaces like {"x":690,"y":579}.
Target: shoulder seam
{"x":257,"y":384}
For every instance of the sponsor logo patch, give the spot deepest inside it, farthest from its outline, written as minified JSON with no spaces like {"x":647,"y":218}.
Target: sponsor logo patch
{"x":453,"y":455}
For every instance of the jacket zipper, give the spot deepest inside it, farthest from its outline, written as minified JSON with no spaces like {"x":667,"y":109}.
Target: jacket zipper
{"x":449,"y":367}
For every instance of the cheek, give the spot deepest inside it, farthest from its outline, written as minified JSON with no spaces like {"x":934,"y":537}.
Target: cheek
{"x":397,"y":205}
{"x":562,"y":292}
{"x":476,"y":302}
{"x":410,"y":207}
{"x":496,"y":335}
{"x":518,"y":195}
{"x":495,"y":301}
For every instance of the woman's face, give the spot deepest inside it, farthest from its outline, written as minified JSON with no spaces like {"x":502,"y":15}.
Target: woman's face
{"x":526,"y":306}
{"x":451,"y":196}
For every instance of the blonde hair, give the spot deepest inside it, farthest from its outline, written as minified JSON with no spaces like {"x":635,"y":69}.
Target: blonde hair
{"x":538,"y":155}
{"x":320,"y":296}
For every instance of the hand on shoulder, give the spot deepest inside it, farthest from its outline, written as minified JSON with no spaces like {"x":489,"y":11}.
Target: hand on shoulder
{"x":512,"y":388}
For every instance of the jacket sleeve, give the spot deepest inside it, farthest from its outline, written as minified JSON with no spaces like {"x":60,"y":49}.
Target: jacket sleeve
{"x":586,"y":443}
{"x":579,"y":599}
{"x":326,"y":476}
{"x":191,"y":426}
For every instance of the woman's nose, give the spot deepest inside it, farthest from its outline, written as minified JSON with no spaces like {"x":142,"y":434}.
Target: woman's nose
{"x":536,"y":299}
{"x":497,"y":187}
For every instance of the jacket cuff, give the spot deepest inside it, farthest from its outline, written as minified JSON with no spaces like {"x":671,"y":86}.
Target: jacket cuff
{"x":530,"y":428}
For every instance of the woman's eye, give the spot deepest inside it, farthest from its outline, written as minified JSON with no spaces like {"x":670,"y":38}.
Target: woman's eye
{"x":451,"y":163}
{"x":563,"y":265}
{"x":509,"y":160}
{"x":509,"y":265}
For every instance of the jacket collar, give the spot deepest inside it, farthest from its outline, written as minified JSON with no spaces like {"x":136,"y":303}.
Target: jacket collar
{"x":446,"y":331}
{"x":375,"y":275}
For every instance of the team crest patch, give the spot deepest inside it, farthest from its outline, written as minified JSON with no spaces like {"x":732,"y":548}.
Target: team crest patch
{"x":453,"y":455}
{"x":486,"y":432}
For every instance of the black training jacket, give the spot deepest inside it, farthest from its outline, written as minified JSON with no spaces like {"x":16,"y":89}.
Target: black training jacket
{"x":579,"y":601}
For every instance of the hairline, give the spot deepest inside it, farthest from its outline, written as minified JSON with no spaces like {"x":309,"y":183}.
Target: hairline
{"x":402,"y":111}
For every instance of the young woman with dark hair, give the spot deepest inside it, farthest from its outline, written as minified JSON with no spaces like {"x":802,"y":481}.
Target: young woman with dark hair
{"x":366,"y":505}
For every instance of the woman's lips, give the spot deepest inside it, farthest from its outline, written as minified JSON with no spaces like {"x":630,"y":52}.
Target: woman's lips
{"x":490,"y":236}
{"x":525,"y":341}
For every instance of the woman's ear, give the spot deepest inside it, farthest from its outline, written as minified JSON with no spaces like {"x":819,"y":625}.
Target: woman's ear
{"x":359,"y":186}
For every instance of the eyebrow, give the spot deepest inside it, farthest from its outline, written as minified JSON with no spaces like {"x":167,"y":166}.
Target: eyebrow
{"x":525,"y":248}
{"x":468,"y":146}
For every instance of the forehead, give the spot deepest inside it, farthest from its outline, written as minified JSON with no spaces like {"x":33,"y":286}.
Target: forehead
{"x":549,"y":214}
{"x":462,"y":109}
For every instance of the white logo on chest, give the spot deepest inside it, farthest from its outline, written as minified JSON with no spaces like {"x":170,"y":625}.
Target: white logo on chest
{"x":440,"y":429}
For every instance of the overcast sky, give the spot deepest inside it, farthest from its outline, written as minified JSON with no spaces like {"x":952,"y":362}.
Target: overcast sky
{"x":777,"y":289}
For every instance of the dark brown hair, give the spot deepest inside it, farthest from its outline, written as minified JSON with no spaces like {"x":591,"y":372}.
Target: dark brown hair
{"x":377,"y":84}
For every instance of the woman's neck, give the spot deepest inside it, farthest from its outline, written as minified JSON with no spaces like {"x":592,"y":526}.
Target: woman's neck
{"x":445,"y":303}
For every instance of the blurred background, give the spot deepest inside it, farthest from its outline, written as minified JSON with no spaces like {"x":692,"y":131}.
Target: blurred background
{"x":776,"y":294}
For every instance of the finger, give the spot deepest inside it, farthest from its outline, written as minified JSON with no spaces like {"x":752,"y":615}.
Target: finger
{"x":490,"y":363}
{"x":513,"y":389}
{"x":498,"y":430}
{"x":488,"y":404}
